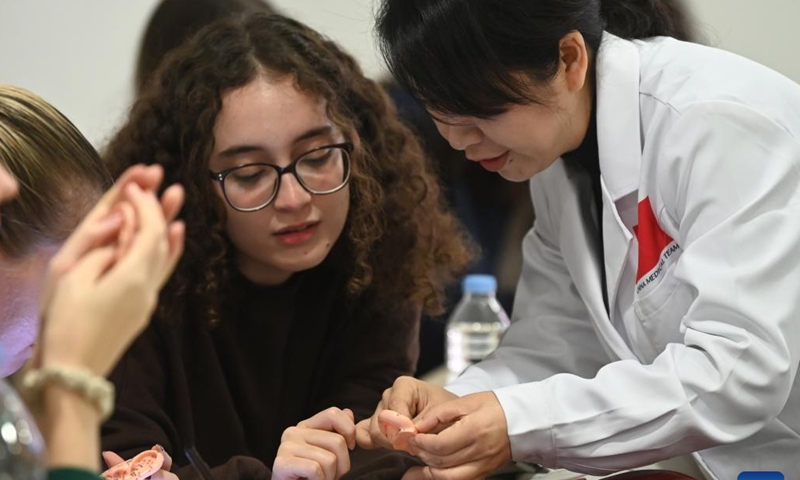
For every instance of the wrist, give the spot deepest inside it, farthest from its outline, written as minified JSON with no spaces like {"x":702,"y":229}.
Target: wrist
{"x":50,"y":381}
{"x":73,"y":424}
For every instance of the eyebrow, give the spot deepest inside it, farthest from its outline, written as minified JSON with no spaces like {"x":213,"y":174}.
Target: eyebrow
{"x":239,"y":149}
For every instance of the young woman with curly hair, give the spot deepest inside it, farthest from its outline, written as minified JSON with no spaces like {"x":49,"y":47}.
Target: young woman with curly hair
{"x":316,"y":238}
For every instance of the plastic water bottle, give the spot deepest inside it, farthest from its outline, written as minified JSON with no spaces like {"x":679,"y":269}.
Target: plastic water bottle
{"x":22,"y":451}
{"x":476,"y":325}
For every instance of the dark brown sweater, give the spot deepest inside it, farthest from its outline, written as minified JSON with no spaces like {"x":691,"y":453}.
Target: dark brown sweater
{"x":278,"y":356}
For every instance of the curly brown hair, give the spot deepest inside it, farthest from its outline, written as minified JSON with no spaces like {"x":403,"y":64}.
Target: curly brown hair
{"x":403,"y":244}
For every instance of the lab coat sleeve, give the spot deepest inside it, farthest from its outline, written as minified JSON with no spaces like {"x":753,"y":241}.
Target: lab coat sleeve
{"x":551,"y":330}
{"x":731,"y":185}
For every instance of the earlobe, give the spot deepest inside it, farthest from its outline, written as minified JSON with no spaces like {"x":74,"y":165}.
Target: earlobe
{"x":574,"y":60}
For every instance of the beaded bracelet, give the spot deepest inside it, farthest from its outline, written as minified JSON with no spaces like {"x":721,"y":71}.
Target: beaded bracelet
{"x":95,"y":389}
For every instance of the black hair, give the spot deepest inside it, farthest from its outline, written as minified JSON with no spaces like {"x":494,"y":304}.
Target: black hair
{"x":473,"y":57}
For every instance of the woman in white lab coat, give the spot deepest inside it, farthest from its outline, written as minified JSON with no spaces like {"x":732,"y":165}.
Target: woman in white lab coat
{"x":657,"y":312}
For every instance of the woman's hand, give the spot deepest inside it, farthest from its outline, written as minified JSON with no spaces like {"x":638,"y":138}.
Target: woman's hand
{"x":408,"y":396}
{"x":473,"y":442}
{"x":102,"y":286}
{"x":317,"y":448}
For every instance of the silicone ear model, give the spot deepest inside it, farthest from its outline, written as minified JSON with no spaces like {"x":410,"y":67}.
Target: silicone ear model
{"x":140,"y":467}
{"x":397,"y":428}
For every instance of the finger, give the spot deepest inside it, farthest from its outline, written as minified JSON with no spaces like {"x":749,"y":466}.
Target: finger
{"x":97,"y":234}
{"x":376,"y":432}
{"x":329,"y":448}
{"x":333,"y":420}
{"x":373,"y":429}
{"x":164,"y":475}
{"x":396,"y":398}
{"x":92,"y":265}
{"x":91,"y":233}
{"x":363,"y":437}
{"x":176,"y":236}
{"x":167,"y":465}
{"x":172,"y":201}
{"x":128,"y":230}
{"x":440,"y":415}
{"x":291,"y":468}
{"x":149,"y":247}
{"x":404,"y":396}
{"x":328,"y":461}
{"x":350,"y":414}
{"x":112,"y":459}
{"x":147,"y":177}
{"x":445,"y":452}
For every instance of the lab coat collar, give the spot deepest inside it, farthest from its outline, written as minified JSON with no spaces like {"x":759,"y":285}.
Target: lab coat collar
{"x":619,"y":140}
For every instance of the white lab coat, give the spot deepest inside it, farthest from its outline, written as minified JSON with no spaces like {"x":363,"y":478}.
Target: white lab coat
{"x":700,"y":164}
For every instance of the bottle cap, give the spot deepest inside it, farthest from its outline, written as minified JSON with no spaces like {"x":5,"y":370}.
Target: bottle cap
{"x":479,"y":284}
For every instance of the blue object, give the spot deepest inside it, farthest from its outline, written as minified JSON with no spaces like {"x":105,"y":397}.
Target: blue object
{"x":761,"y":476}
{"x":480,"y":284}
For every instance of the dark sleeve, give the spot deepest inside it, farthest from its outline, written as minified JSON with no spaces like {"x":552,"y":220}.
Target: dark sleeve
{"x":140,"y":419}
{"x":370,"y":354}
{"x":153,"y":407}
{"x":237,"y":468}
{"x":377,"y":350}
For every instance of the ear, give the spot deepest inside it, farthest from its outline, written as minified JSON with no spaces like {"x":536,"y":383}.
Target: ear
{"x":574,"y":60}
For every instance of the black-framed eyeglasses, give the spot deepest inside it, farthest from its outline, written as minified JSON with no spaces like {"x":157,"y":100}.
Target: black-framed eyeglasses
{"x":321,"y":171}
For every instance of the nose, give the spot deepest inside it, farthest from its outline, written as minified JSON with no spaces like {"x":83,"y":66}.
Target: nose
{"x":460,"y":137}
{"x":291,"y":195}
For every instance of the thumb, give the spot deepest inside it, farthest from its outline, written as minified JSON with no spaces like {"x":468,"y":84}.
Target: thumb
{"x":167,"y":465}
{"x":363,"y":438}
{"x":112,"y":459}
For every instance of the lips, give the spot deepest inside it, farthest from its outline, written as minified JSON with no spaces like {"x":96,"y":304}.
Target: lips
{"x":295,"y":228}
{"x":496,"y":163}
{"x":297,"y":234}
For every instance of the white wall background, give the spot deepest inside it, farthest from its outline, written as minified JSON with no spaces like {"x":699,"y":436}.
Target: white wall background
{"x":79,"y":54}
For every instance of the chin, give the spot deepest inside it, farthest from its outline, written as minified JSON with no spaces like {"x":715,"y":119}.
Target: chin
{"x":514,"y":175}
{"x":11,"y":365}
{"x":301,"y":264}
{"x":520,"y":171}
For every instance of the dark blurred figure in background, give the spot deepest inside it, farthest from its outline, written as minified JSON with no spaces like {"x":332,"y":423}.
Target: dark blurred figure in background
{"x":173,"y":21}
{"x":496,"y":213}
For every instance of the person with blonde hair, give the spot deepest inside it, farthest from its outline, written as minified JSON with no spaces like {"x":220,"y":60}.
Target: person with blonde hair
{"x":59,"y":176}
{"x":99,"y":289}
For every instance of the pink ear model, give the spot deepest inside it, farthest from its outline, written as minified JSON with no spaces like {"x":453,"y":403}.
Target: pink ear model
{"x":397,"y":428}
{"x":139,"y":467}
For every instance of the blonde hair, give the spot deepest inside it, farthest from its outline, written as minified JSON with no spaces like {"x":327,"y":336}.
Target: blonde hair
{"x":60,"y":174}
